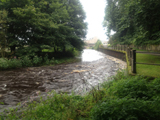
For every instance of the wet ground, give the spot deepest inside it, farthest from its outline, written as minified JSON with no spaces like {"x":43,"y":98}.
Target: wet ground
{"x":23,"y":84}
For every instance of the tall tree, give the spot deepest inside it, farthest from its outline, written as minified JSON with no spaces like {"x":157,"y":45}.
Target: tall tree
{"x":3,"y":31}
{"x":134,"y":21}
{"x":36,"y":23}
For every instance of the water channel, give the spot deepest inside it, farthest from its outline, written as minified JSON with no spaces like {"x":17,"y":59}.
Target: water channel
{"x":23,"y":84}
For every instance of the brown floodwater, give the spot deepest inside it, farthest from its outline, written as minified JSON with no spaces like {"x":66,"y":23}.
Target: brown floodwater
{"x":22,"y":85}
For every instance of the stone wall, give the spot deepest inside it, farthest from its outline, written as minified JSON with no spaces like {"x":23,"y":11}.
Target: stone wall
{"x":117,"y":54}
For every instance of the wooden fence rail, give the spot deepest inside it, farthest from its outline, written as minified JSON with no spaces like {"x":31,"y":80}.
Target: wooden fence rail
{"x":155,"y":48}
{"x":131,"y":54}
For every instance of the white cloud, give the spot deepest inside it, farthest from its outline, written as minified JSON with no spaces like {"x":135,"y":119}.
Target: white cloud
{"x":95,"y":14}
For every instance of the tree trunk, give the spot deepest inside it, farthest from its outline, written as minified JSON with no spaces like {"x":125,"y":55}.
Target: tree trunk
{"x":13,"y":48}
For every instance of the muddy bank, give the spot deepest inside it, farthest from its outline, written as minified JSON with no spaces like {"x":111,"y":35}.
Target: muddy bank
{"x":22,"y":84}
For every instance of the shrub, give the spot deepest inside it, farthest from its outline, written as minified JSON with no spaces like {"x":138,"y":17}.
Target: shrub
{"x":3,"y":63}
{"x":37,"y":60}
{"x":46,"y":61}
{"x":129,"y":98}
{"x":155,"y":88}
{"x":120,"y":75}
{"x":14,"y":63}
{"x":26,"y":61}
{"x":133,"y":87}
{"x":126,"y":109}
{"x":52,"y":61}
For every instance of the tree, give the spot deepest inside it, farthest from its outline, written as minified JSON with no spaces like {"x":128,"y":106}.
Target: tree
{"x":98,"y":43}
{"x":77,"y":16}
{"x":35,"y":23}
{"x":3,"y":30}
{"x":134,"y":21}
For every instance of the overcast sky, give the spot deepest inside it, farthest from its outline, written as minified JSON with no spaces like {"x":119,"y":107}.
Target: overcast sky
{"x":95,"y":14}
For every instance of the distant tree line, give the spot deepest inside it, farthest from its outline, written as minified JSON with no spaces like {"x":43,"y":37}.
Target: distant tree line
{"x":134,"y":21}
{"x":32,"y":25}
{"x":97,"y":45}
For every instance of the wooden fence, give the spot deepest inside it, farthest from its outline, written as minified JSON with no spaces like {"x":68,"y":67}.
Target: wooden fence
{"x":131,"y":54}
{"x":134,"y":62}
{"x":154,"y":48}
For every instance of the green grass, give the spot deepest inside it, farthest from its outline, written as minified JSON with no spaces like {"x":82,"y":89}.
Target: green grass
{"x":120,"y":98}
{"x":145,"y":50}
{"x":148,"y":70}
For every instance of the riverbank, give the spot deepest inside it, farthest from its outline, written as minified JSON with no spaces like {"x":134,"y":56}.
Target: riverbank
{"x":121,"y":97}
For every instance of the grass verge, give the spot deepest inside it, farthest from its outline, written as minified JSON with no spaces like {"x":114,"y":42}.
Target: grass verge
{"x":148,"y":70}
{"x":120,"y":98}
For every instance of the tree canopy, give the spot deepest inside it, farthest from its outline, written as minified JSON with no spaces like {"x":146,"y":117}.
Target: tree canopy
{"x":134,"y":21}
{"x":3,"y":30}
{"x":38,"y":23}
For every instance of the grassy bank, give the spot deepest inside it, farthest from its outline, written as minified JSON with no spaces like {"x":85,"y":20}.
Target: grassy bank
{"x":120,"y":98}
{"x":148,"y":70}
{"x":7,"y":64}
{"x":44,"y":59}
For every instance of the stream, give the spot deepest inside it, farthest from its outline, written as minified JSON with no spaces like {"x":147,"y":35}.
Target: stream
{"x":20,"y":85}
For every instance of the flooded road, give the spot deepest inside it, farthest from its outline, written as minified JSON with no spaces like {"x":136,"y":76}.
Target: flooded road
{"x":23,"y":84}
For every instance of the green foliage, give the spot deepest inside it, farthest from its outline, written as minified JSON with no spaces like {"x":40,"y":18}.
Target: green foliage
{"x":46,"y":60}
{"x":26,"y":61}
{"x":134,"y":21}
{"x":14,"y":63}
{"x":3,"y":32}
{"x":9,"y":64}
{"x":27,"y":51}
{"x":3,"y":63}
{"x":37,"y":60}
{"x":126,"y":109}
{"x":130,"y":98}
{"x":98,"y":43}
{"x":39,"y":23}
{"x":60,"y":107}
{"x":132,"y":87}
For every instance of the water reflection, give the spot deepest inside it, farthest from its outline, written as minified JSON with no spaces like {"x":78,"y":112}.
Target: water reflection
{"x":89,"y":55}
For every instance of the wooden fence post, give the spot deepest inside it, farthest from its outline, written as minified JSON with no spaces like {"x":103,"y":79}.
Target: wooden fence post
{"x":133,"y":61}
{"x":128,"y":50}
{"x":130,"y":56}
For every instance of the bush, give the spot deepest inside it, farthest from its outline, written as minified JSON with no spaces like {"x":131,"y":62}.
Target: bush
{"x":37,"y":60}
{"x":26,"y":61}
{"x":3,"y":63}
{"x":155,"y":86}
{"x":129,"y":98}
{"x":120,"y":75}
{"x":135,"y":87}
{"x":46,"y":61}
{"x":9,"y":64}
{"x":126,"y":109}
{"x":14,"y":63}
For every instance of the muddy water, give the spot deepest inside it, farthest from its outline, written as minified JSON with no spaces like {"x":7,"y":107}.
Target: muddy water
{"x":23,"y":84}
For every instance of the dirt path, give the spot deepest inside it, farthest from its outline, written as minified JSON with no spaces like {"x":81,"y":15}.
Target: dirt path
{"x":20,"y":85}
